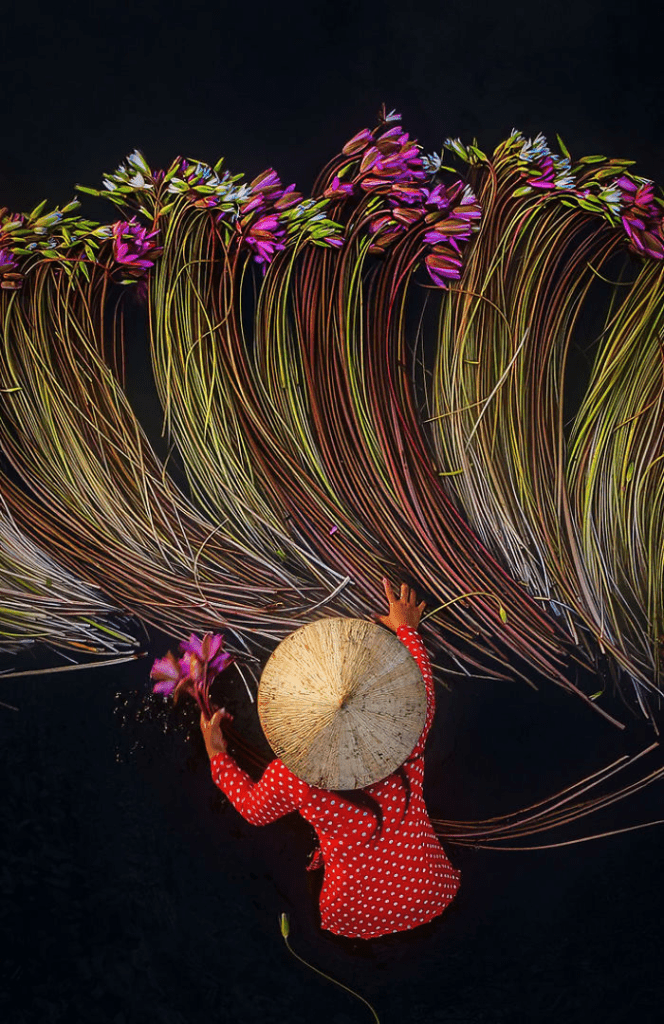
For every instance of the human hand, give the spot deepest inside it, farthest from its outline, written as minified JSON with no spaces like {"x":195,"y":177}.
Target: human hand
{"x":404,"y":611}
{"x":215,"y":742}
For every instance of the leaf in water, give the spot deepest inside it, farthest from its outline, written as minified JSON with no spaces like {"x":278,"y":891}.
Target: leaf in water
{"x":284,"y":925}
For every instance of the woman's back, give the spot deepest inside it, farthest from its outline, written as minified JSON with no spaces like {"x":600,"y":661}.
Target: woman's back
{"x":377,"y":880}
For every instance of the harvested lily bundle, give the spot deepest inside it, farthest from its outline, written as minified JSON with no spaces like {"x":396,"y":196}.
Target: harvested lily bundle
{"x":296,"y":412}
{"x":40,"y":602}
{"x":498,"y":395}
{"x":616,"y":479}
{"x":280,"y":344}
{"x":95,"y":494}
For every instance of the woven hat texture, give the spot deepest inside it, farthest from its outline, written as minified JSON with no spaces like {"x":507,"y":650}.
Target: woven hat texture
{"x":342,"y":702}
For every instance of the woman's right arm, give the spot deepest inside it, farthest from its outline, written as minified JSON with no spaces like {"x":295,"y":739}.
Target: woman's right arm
{"x":277,"y":792}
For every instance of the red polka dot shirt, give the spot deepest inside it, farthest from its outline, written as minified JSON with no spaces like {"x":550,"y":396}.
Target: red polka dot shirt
{"x":373,"y":885}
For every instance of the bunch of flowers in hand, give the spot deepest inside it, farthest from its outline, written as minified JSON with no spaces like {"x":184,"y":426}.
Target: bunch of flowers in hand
{"x":201,"y":661}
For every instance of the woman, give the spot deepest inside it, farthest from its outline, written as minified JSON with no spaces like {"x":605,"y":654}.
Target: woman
{"x":383,"y":877}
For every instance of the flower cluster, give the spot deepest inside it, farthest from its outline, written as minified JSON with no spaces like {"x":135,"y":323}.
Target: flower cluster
{"x":391,"y":158}
{"x":10,"y":277}
{"x":133,"y":247}
{"x":540,"y":166}
{"x":263,"y":216}
{"x":641,"y":216}
{"x":453,"y":215}
{"x":201,"y":661}
{"x":205,"y":187}
{"x":58,"y":235}
{"x":625,"y":199}
{"x":259,"y":223}
{"x":388,"y":165}
{"x":274,"y":217}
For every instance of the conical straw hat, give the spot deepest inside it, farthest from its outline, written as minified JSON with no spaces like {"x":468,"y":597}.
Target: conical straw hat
{"x":342,"y":702}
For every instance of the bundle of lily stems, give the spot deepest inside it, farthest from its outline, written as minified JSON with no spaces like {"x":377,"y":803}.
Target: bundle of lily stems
{"x":380,"y":378}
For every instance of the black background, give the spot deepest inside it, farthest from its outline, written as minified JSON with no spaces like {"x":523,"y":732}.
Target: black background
{"x":130,"y":890}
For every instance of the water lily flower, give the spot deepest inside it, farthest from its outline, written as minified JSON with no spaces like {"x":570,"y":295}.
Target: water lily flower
{"x":167,"y":673}
{"x":432,"y":163}
{"x":7,"y":261}
{"x":288,"y":198}
{"x":443,"y":266}
{"x":386,"y":230}
{"x":641,"y":216}
{"x":266,"y":238}
{"x":393,"y":158}
{"x":407,"y":194}
{"x":202,"y":660}
{"x":133,"y":246}
{"x":437,"y":198}
{"x":358,"y":143}
{"x":338,"y":189}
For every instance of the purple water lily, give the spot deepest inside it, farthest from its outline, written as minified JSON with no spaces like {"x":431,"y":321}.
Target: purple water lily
{"x":266,"y":237}
{"x":259,"y":223}
{"x":443,"y":266}
{"x":449,"y":214}
{"x":133,"y":247}
{"x":202,"y":660}
{"x":166,"y":671}
{"x":10,"y":278}
{"x":358,"y":143}
{"x":385,"y":230}
{"x":338,"y":189}
{"x":7,"y":260}
{"x":641,"y":217}
{"x":208,"y":651}
{"x":452,"y":223}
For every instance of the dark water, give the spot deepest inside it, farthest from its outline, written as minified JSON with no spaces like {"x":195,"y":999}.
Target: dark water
{"x":132,"y":891}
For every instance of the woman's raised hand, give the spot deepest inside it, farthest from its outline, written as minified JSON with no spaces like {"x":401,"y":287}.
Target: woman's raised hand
{"x":212,"y":734}
{"x":404,"y":610}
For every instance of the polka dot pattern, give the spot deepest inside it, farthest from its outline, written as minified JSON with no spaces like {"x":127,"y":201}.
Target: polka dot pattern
{"x":373,"y":884}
